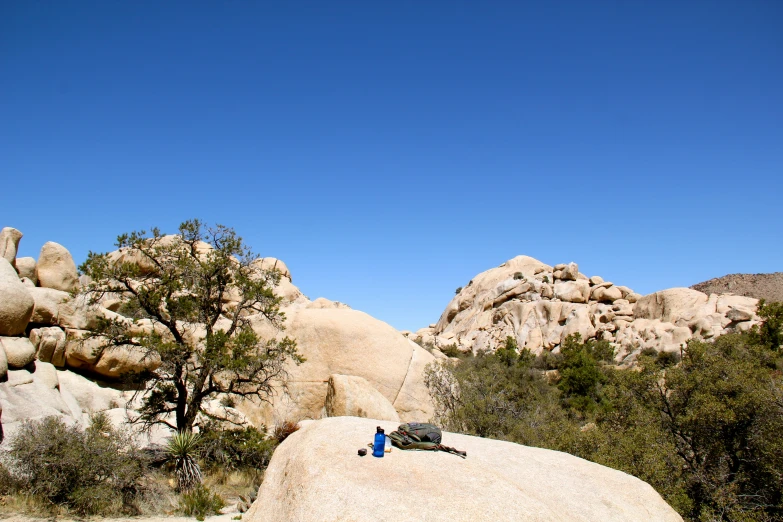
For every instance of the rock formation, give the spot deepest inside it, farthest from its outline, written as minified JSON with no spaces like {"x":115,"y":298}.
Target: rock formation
{"x":356,"y":365}
{"x":539,"y":306}
{"x":316,"y":475}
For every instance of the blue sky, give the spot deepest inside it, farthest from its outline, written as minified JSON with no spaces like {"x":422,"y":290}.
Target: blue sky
{"x":390,"y":151}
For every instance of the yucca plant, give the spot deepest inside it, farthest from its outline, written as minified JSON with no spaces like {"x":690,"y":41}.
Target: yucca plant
{"x":182,"y":449}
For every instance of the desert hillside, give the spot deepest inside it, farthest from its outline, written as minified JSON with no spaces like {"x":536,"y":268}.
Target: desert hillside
{"x":760,"y":286}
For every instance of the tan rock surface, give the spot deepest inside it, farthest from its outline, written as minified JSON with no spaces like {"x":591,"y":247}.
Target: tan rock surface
{"x":116,"y":361}
{"x":347,"y":342}
{"x":9,"y":243}
{"x":55,"y":268}
{"x":26,"y":268}
{"x":354,"y":396}
{"x":316,"y":475}
{"x":539,"y":306}
{"x":47,"y":304}
{"x":49,"y":343}
{"x":19,"y":351}
{"x":670,"y":305}
{"x":16,"y":303}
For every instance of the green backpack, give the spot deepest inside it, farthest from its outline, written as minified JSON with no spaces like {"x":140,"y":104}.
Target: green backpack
{"x":421,"y":436}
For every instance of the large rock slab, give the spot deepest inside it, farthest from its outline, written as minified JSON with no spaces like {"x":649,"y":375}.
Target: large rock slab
{"x":347,"y":342}
{"x":670,"y":305}
{"x":316,"y":475}
{"x":56,"y":269}
{"x":16,"y":303}
{"x":349,"y":395}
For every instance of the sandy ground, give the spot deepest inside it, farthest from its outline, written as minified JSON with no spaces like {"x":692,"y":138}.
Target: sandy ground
{"x":22,"y":518}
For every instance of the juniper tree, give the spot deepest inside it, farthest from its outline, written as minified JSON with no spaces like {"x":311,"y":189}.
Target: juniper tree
{"x":190,"y":298}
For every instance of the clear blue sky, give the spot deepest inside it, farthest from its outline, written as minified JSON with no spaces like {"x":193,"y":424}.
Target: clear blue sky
{"x":390,"y":151}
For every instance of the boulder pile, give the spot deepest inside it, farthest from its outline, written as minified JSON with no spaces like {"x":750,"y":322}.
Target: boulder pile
{"x":316,"y":475}
{"x":539,"y":306}
{"x":50,"y":365}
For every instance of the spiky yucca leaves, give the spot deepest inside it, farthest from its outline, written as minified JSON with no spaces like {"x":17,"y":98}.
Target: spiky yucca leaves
{"x":182,"y":448}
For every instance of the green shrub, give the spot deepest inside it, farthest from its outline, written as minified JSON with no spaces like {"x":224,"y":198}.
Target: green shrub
{"x":200,"y":502}
{"x":92,"y":471}
{"x":235,"y":449}
{"x":458,"y":290}
{"x":519,"y":275}
{"x":451,"y":350}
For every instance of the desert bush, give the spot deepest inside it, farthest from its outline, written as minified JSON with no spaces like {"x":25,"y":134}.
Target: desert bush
{"x":519,"y":275}
{"x":228,"y":450}
{"x":451,"y":350}
{"x":200,"y":502}
{"x":458,"y":290}
{"x":92,"y":471}
{"x":284,"y":429}
{"x":702,"y":428}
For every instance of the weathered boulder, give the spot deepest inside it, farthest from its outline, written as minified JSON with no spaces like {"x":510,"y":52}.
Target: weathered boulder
{"x":49,"y":343}
{"x":354,"y":396}
{"x":572,"y":291}
{"x":347,"y":342}
{"x":46,"y":374}
{"x":16,"y":303}
{"x":116,"y":361}
{"x":670,"y":305}
{"x":19,"y":351}
{"x":56,"y":269}
{"x":9,"y":243}
{"x":47,"y":304}
{"x":79,"y":314}
{"x":271,"y":263}
{"x":315,"y":475}
{"x":606,"y":294}
{"x":569,"y":272}
{"x":25,"y":266}
{"x":82,"y":351}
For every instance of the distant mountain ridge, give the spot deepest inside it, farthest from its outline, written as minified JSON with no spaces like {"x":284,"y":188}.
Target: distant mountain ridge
{"x":761,"y":286}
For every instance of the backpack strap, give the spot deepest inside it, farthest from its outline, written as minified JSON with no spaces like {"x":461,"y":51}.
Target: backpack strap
{"x":405,"y":442}
{"x":453,"y":451}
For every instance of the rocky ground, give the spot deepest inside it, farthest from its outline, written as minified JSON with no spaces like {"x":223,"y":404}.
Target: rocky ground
{"x":761,"y":286}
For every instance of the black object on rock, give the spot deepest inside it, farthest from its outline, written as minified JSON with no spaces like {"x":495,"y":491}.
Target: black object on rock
{"x":362,"y":452}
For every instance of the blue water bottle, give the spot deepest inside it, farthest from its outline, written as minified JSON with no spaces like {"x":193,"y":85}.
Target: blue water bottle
{"x":378,"y":443}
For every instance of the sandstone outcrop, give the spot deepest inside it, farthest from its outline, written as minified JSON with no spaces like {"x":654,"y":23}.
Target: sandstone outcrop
{"x":56,"y":269}
{"x":539,"y":306}
{"x":315,"y":475}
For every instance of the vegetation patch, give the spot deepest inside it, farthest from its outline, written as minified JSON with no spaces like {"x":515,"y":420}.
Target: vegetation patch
{"x":702,"y":427}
